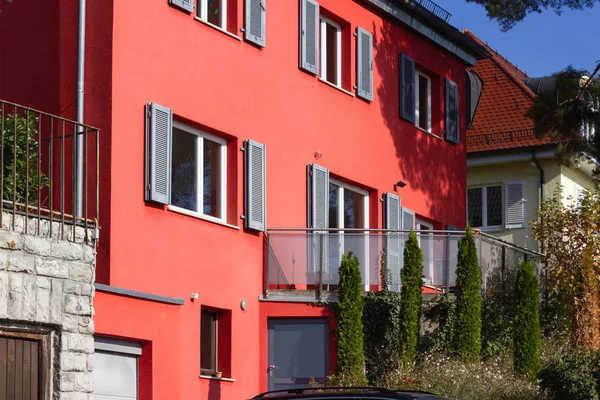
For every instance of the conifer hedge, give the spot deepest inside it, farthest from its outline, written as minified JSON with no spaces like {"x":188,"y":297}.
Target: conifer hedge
{"x":467,"y":331}
{"x":350,"y":361}
{"x":410,"y":298}
{"x":526,"y":324}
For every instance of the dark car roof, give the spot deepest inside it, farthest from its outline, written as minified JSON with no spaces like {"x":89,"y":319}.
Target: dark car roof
{"x":346,"y":393}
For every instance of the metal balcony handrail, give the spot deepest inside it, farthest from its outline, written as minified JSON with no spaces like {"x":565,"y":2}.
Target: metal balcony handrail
{"x":435,"y":9}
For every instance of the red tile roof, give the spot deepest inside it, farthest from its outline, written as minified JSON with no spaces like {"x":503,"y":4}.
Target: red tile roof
{"x":500,"y":121}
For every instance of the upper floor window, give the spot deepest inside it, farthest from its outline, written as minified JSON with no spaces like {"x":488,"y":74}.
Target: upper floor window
{"x":497,"y":206}
{"x":423,"y":103}
{"x":331,"y":51}
{"x":213,"y":12}
{"x":198,"y":171}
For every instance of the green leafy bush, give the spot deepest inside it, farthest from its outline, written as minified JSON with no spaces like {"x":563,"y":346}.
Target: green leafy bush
{"x":497,"y":312}
{"x":573,"y":376}
{"x":526,"y":327}
{"x":349,"y":326}
{"x":440,"y":311}
{"x":410,"y":298}
{"x":15,"y":160}
{"x":467,"y":331}
{"x":381,"y":320}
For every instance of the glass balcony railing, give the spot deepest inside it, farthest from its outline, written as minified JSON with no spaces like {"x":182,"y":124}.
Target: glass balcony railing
{"x":309,"y":260}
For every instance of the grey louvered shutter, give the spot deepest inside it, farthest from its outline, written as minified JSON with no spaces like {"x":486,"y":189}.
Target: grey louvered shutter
{"x":255,"y":197}
{"x":318,"y":178}
{"x":309,"y":35}
{"x":407,"y":88}
{"x":364,"y":64}
{"x":392,"y":219}
{"x":515,"y":204}
{"x":474,"y":90}
{"x":451,"y":121}
{"x":187,"y":5}
{"x":408,"y":219}
{"x":256,"y":22}
{"x":159,"y":126}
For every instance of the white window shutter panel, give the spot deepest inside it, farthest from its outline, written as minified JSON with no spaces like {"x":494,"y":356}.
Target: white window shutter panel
{"x":159,"y":125}
{"x":255,"y":187}
{"x":309,"y":35}
{"x":392,"y":219}
{"x":256,"y":22}
{"x":364,"y":64}
{"x":407,"y":88}
{"x":318,"y":178}
{"x":408,"y":219}
{"x":186,"y":5}
{"x":451,"y":122}
{"x":515,"y":204}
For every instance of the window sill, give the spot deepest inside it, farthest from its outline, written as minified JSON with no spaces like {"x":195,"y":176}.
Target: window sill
{"x":194,"y":214}
{"x":336,"y":87}
{"x":214,"y":378}
{"x":218,"y":28}
{"x":429,"y":133}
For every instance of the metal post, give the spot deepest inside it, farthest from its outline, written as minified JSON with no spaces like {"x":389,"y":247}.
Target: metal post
{"x":503,"y":268}
{"x":321,"y":257}
{"x":77,"y":208}
{"x":448,"y":244}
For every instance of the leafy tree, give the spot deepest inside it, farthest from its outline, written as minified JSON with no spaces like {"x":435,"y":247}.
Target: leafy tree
{"x":509,"y":12}
{"x":16,"y":161}
{"x":570,"y":234}
{"x":410,"y":298}
{"x":526,"y":327}
{"x":467,"y":331}
{"x":350,"y":360}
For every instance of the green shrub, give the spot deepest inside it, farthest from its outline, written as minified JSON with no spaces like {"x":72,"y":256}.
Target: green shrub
{"x":572,"y":377}
{"x":349,"y":327}
{"x":467,"y":331}
{"x":497,"y":312}
{"x":440,"y":311}
{"x":410,"y":298}
{"x":526,"y":327}
{"x":16,"y":162}
{"x":381,"y":321}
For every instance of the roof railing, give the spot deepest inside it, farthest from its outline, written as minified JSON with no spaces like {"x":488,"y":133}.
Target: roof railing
{"x":434,"y":9}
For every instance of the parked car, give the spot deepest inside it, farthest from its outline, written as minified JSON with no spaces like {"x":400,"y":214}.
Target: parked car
{"x":346,"y":393}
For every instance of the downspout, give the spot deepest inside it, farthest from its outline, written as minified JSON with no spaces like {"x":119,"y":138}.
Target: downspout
{"x":542,"y":184}
{"x":80,"y":105}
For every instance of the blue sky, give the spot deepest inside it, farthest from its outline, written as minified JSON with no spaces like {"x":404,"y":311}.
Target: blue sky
{"x":542,"y":43}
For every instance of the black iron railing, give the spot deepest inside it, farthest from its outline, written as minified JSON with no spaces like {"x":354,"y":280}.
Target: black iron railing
{"x":49,"y":174}
{"x":434,"y":9}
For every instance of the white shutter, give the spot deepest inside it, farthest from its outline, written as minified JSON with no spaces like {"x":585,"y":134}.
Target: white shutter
{"x":309,"y":35}
{"x":451,"y":122}
{"x":407,"y":88}
{"x":408,"y":219}
{"x":187,"y":5}
{"x":255,"y":186}
{"x":159,"y":127}
{"x":256,"y":21}
{"x":515,"y":204}
{"x":364,"y":64}
{"x":318,"y":216}
{"x":392,"y":219}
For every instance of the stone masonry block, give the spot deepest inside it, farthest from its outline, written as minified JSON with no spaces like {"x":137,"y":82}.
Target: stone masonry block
{"x":78,"y":343}
{"x":76,"y":382}
{"x":77,"y":305}
{"x":90,"y":362}
{"x":80,"y":272}
{"x":19,"y":261}
{"x":38,"y":245}
{"x":11,"y":240}
{"x":67,"y":250}
{"x":51,"y":268}
{"x":73,"y":362}
{"x":56,"y":301}
{"x":75,"y":396}
{"x":15,"y":296}
{"x":29,"y":297}
{"x":42,"y":303}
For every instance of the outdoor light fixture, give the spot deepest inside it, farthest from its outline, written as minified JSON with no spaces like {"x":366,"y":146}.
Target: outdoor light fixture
{"x":401,"y":184}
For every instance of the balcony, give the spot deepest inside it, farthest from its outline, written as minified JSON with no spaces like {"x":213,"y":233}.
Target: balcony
{"x":302,"y":264}
{"x":49,"y":174}
{"x":434,"y":9}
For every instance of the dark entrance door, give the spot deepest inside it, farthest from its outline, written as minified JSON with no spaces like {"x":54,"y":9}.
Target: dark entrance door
{"x":298,"y":351}
{"x":19,"y":369}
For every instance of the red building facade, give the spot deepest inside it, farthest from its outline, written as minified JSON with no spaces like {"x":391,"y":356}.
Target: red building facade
{"x":363,"y":94}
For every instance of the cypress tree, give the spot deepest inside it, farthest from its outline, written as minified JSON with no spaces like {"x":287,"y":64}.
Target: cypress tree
{"x":526,"y":324}
{"x":350,"y":359}
{"x":410,"y":298}
{"x":467,"y":331}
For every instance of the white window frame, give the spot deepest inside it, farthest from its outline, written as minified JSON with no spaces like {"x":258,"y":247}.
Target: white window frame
{"x":200,"y":176}
{"x":323,"y":50}
{"x":203,"y":10}
{"x":340,"y":217}
{"x":423,"y":225}
{"x":417,"y":99}
{"x":483,"y":188}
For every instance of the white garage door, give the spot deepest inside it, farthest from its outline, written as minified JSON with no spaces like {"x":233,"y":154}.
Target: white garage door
{"x":116,"y":370}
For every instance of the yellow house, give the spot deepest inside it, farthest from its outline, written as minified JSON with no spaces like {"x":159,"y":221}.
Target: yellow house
{"x":509,"y":170}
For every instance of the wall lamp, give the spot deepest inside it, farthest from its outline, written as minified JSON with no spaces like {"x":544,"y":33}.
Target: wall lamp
{"x":400,"y":184}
